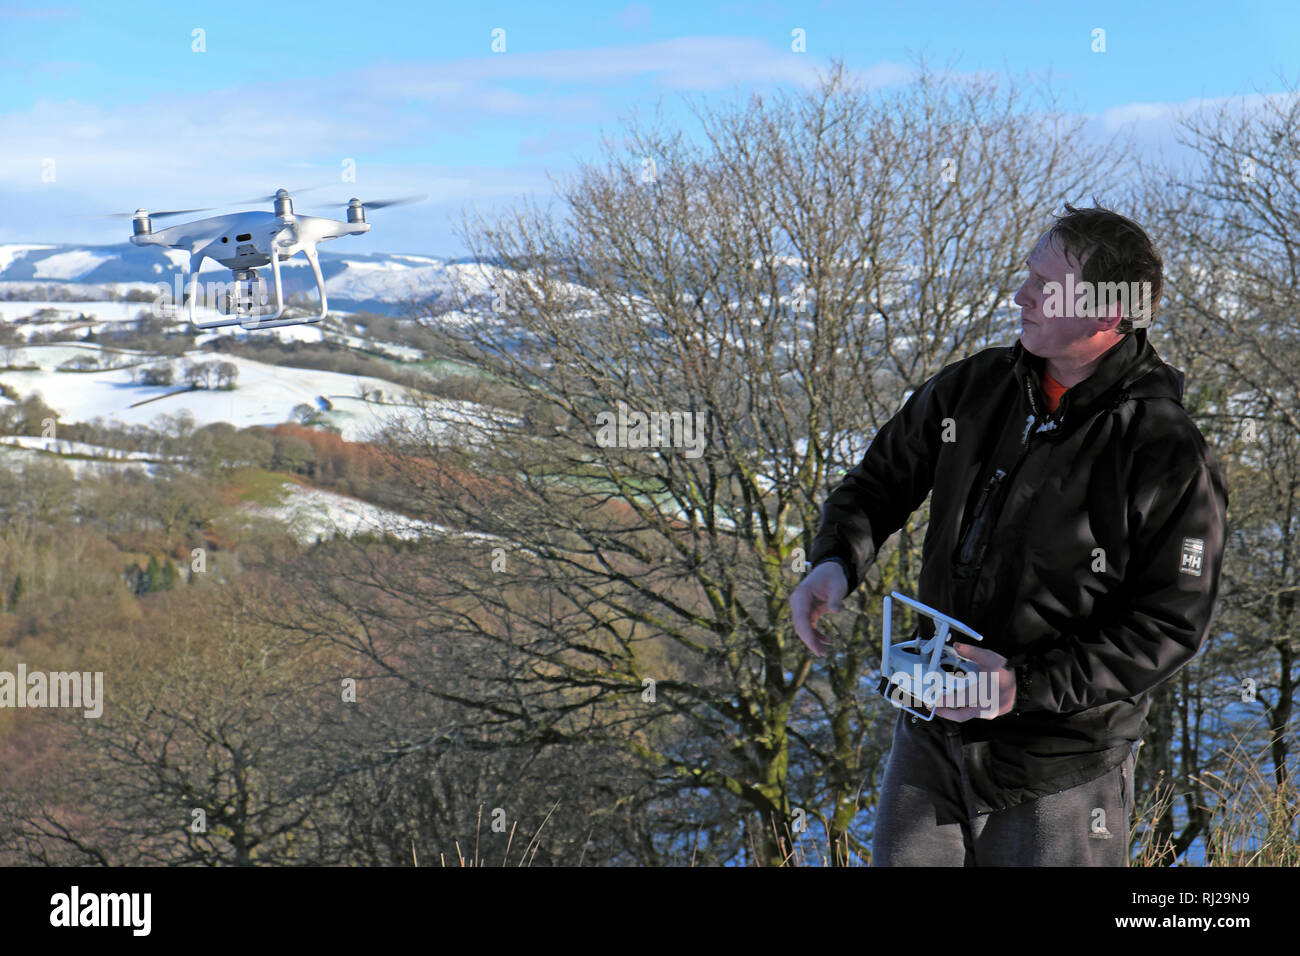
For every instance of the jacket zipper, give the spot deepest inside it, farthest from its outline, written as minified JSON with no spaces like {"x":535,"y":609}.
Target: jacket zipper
{"x":972,"y":536}
{"x":972,"y":539}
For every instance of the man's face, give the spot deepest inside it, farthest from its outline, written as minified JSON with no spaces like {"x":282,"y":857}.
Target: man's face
{"x":1063,"y":337}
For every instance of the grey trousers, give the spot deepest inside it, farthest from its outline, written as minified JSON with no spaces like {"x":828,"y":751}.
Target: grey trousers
{"x":926,"y":817}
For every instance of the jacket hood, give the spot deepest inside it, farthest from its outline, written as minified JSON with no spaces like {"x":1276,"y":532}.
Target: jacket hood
{"x":1131,"y":369}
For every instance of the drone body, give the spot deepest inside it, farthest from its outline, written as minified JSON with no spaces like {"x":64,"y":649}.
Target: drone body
{"x":245,"y":241}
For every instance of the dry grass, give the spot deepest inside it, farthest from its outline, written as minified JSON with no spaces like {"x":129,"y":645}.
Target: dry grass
{"x":1252,"y":823}
{"x":1252,"y":819}
{"x":525,"y":859}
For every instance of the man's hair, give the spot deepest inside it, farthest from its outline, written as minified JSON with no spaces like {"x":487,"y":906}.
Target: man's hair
{"x":1117,"y":250}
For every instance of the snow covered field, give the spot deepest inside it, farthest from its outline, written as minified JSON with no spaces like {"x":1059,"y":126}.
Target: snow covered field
{"x":311,"y":513}
{"x":264,"y":394}
{"x":62,"y":447}
{"x":99,"y":313}
{"x":13,"y":454}
{"x":70,"y":312}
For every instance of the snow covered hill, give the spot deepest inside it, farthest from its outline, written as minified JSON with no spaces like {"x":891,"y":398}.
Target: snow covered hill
{"x":375,"y":282}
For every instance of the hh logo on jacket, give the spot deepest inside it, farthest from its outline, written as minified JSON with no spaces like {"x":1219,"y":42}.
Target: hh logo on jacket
{"x":1193,"y":550}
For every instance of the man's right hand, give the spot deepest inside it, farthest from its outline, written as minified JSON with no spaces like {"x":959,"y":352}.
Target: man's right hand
{"x":822,"y":591}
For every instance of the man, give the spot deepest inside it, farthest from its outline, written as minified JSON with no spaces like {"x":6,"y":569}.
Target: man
{"x":1076,"y":523}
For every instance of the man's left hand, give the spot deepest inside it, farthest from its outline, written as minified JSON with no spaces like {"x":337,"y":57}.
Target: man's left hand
{"x":1004,"y":695}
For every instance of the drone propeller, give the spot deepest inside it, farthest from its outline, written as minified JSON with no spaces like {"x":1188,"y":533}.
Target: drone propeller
{"x":155,"y":215}
{"x":258,"y":200}
{"x":400,"y":201}
{"x":381,"y":203}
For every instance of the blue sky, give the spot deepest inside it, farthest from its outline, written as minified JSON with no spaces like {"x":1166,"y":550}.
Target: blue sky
{"x":115,"y":95}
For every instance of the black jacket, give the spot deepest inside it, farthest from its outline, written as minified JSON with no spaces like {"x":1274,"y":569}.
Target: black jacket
{"x":1085,"y":546}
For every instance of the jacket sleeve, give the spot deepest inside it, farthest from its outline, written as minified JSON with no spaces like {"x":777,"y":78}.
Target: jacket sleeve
{"x":893,"y":478}
{"x":1163,"y":613}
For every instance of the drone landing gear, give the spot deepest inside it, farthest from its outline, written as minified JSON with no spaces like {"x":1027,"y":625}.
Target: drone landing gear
{"x":244,"y":305}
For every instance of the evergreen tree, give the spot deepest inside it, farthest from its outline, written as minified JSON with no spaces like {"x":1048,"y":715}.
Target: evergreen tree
{"x":169,"y":574}
{"x":153,"y":575}
{"x":16,"y":592}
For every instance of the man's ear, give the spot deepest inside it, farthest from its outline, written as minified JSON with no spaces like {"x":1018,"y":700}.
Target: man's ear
{"x":1108,"y":319}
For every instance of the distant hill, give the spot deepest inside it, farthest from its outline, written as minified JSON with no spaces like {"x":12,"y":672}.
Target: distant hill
{"x":374,"y":282}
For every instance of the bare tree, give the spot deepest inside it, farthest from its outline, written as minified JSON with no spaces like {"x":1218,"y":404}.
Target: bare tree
{"x":215,"y":748}
{"x":226,"y":374}
{"x":768,"y":289}
{"x":1231,"y":224}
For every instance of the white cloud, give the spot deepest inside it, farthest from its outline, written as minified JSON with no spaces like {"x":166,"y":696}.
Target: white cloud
{"x":679,"y":63}
{"x":1154,"y":128}
{"x":404,"y":124}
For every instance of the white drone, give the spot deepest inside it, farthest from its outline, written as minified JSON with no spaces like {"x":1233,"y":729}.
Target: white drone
{"x":245,"y":240}
{"x":917,"y":674}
